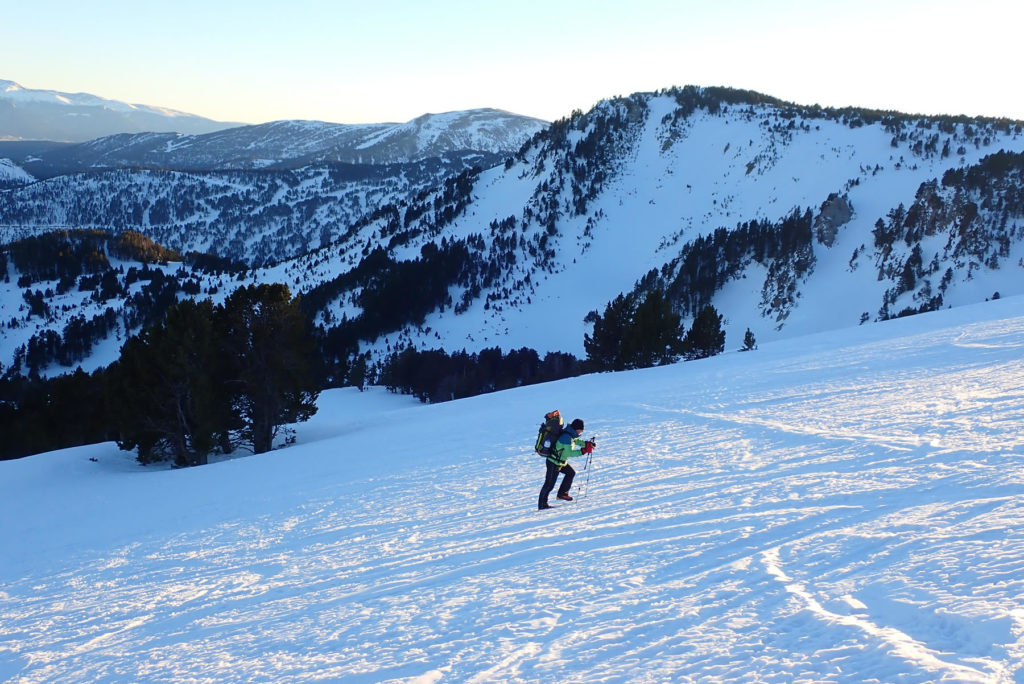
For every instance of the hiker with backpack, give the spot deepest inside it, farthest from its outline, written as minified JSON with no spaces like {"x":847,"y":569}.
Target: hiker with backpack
{"x":567,"y":444}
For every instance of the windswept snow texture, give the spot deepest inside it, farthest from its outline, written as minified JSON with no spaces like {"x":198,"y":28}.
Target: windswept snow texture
{"x":847,"y":506}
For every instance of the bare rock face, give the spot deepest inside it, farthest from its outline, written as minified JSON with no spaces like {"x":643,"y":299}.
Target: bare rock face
{"x":835,"y":212}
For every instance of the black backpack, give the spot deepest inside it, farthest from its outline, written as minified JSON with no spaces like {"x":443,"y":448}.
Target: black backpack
{"x":549,"y":432}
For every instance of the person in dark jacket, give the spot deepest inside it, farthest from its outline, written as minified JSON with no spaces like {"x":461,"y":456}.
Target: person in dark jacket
{"x":569,"y":444}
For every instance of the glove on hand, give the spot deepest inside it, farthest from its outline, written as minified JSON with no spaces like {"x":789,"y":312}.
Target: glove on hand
{"x":588,"y":448}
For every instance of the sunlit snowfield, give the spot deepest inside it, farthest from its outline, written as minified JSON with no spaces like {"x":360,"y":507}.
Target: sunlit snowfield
{"x":842,"y":507}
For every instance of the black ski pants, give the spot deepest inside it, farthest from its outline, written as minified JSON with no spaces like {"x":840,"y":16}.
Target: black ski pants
{"x":552,"y":476}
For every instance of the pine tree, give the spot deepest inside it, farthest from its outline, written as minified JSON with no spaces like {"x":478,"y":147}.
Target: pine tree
{"x":604,"y":347}
{"x":357,"y":372}
{"x":164,"y":390}
{"x":655,"y":335}
{"x":269,"y":349}
{"x":705,"y":337}
{"x":749,"y":343}
{"x":631,"y":335}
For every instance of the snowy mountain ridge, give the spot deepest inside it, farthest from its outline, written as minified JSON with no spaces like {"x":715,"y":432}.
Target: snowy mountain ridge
{"x":288,"y":145}
{"x":600,"y":200}
{"x":31,"y":114}
{"x":843,"y":507}
{"x":663,"y":189}
{"x":9,"y":90}
{"x":432,"y":135}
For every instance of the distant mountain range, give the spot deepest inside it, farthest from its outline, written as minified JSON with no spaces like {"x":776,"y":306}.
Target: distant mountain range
{"x":27,"y":114}
{"x":47,"y":133}
{"x":261,"y":193}
{"x":284,"y":145}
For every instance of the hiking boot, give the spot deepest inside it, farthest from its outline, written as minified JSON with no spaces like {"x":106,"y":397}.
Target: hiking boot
{"x":564,"y":497}
{"x":541,"y":507}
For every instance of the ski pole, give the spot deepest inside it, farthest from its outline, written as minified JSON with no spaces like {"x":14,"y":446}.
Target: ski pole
{"x":586,"y":469}
{"x":586,"y":483}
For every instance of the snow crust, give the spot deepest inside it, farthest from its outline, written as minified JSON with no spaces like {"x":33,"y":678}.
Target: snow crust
{"x":841,"y":507}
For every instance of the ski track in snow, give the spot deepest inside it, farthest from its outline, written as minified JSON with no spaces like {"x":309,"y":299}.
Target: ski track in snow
{"x":839,"y":508}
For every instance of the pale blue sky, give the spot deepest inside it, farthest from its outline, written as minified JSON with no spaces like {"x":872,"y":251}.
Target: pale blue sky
{"x":392,"y":60}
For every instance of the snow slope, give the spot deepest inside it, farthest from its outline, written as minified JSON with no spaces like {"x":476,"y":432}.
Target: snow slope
{"x":667,"y":182}
{"x":846,"y":506}
{"x":12,"y":173}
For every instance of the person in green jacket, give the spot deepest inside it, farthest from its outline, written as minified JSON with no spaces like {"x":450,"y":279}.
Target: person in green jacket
{"x":569,"y":444}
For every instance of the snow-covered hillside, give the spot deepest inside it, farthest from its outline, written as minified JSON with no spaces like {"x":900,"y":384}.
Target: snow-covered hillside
{"x":603,"y":198}
{"x":253,"y":193}
{"x":433,"y":135}
{"x":843,"y":507}
{"x":250,"y":216}
{"x":653,"y":188}
{"x":13,"y":175}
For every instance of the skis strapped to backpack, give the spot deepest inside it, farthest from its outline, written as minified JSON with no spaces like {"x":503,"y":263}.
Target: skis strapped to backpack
{"x":549,"y":432}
